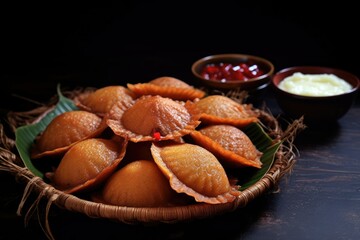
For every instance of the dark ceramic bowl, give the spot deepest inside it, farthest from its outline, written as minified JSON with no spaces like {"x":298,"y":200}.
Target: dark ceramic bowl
{"x":315,"y":109}
{"x":266,"y":67}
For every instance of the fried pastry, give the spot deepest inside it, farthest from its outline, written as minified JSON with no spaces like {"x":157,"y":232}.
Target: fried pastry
{"x":137,"y":184}
{"x":153,"y":118}
{"x":101,"y":100}
{"x":219,"y":109}
{"x":231,"y":145}
{"x":65,"y":130}
{"x":169,"y":87}
{"x":193,"y":170}
{"x":87,"y":164}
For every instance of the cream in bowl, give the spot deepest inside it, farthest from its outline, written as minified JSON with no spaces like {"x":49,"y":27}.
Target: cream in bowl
{"x":322,"y":95}
{"x":315,"y":85}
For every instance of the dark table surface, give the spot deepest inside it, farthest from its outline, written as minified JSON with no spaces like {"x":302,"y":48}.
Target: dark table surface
{"x":102,"y":45}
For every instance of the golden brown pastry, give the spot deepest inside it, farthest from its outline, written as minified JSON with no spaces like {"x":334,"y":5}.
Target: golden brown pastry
{"x":137,"y":184}
{"x":101,"y":100}
{"x":169,"y":87}
{"x":87,"y":164}
{"x":153,"y":118}
{"x":65,"y":130}
{"x":193,"y":170}
{"x":229,"y":144}
{"x":219,"y":109}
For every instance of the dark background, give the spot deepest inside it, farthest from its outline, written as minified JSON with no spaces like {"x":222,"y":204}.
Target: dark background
{"x":115,"y":43}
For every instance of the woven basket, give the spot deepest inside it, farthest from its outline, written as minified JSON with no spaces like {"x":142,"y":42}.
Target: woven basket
{"x":11,"y":162}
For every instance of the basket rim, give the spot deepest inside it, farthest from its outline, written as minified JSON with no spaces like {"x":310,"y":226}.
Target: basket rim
{"x":131,"y":215}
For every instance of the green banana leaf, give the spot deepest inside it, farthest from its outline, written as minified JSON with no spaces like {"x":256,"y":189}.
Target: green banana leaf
{"x":265,"y":144}
{"x":26,"y":135}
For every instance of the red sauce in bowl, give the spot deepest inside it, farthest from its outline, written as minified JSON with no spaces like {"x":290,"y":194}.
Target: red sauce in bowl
{"x":231,"y":72}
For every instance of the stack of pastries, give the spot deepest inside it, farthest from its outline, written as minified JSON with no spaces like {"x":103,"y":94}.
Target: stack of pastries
{"x":155,"y":144}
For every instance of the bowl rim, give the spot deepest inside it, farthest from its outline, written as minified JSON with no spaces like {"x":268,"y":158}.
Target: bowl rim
{"x":234,"y":56}
{"x":293,"y":69}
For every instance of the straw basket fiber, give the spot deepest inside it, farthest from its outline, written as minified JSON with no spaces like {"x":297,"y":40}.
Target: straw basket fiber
{"x":11,"y":162}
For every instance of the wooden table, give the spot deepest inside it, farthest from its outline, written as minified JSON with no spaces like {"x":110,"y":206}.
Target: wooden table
{"x":318,"y":200}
